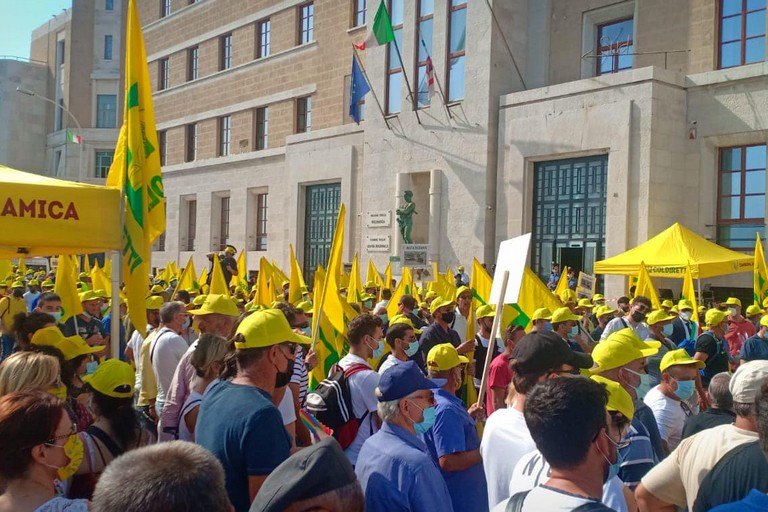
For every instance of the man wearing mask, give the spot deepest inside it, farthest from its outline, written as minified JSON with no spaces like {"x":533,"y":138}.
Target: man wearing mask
{"x":660,"y":324}
{"x":237,"y":421}
{"x":739,"y":328}
{"x":541,"y":320}
{"x":603,"y":315}
{"x":365,"y":342}
{"x":10,"y":306}
{"x":683,"y":327}
{"x":756,"y":347}
{"x":50,"y":303}
{"x":711,"y":347}
{"x":484,"y":315}
{"x":32,"y":293}
{"x":566,"y":325}
{"x":461,"y":317}
{"x":87,"y":324}
{"x":753,"y":314}
{"x":635,"y":319}
{"x":168,"y":347}
{"x":401,"y":338}
{"x":440,"y":331}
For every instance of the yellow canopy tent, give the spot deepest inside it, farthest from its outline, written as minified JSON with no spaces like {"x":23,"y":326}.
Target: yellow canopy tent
{"x":42,"y":216}
{"x":667,"y":254}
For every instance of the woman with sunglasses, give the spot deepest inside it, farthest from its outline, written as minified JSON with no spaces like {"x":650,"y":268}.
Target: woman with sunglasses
{"x":39,"y":447}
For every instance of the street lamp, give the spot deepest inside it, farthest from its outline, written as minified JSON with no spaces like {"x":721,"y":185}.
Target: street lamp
{"x":22,"y":90}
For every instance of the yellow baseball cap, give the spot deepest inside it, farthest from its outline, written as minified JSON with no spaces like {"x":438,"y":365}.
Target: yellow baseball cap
{"x":305,"y":306}
{"x":199,"y":300}
{"x":485,"y":311}
{"x":439,"y":303}
{"x":430,"y":295}
{"x":444,"y":357}
{"x":715,"y":317}
{"x":88,"y":296}
{"x":154,"y":302}
{"x":463,"y":289}
{"x":34,"y":282}
{"x":685,"y":304}
{"x":230,"y":248}
{"x":266,"y":328}
{"x":584,"y":303}
{"x":732,"y":301}
{"x":679,"y":357}
{"x":618,"y":398}
{"x":563,"y":315}
{"x":752,"y":309}
{"x":47,"y":336}
{"x":74,"y":346}
{"x":47,"y":284}
{"x":657,"y":316}
{"x":597,"y":297}
{"x":460,"y":268}
{"x":366,"y":296}
{"x":620,"y":348}
{"x":112,"y":378}
{"x":101,"y":293}
{"x":83,"y":275}
{"x":604,"y":310}
{"x":764,"y":320}
{"x":17,"y":284}
{"x":402,"y":319}
{"x":370,"y":284}
{"x":567,"y":296}
{"x":156,"y":289}
{"x":542,"y":314}
{"x":667,"y":303}
{"x":216,"y":303}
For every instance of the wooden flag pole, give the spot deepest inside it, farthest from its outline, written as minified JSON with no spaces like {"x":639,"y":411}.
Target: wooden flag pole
{"x":365,"y":74}
{"x":494,"y":330}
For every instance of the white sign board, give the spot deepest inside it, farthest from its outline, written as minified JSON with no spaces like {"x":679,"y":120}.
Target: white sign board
{"x":512,"y":257}
{"x":378,"y":219}
{"x":416,"y":256}
{"x":377,"y":243}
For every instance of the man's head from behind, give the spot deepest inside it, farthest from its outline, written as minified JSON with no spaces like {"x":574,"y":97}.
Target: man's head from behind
{"x":745,"y":386}
{"x":719,"y":392}
{"x":166,"y":477}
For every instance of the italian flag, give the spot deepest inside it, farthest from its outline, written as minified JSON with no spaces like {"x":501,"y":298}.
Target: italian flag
{"x":380,"y":32}
{"x":75,"y":139}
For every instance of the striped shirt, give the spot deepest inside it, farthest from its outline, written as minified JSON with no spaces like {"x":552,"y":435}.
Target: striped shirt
{"x":300,"y":375}
{"x":637,"y":458}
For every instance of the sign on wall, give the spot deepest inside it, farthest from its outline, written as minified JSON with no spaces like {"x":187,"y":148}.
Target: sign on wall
{"x":378,"y":219}
{"x":377,"y":243}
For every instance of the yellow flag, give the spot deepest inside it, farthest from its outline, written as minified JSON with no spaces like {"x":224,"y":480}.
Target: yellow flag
{"x":100,"y":280}
{"x":107,"y":267}
{"x":136,"y":171}
{"x":66,"y":287}
{"x":87,"y":265}
{"x":387,"y":277}
{"x":480,"y":282}
{"x":330,"y":344}
{"x":218,"y":283}
{"x":355,"y":287}
{"x":689,"y":293}
{"x":242,"y":271}
{"x":404,"y":287}
{"x":645,"y":287}
{"x":760,"y":281}
{"x":533,"y":295}
{"x":562,"y":284}
{"x":338,"y":310}
{"x":278,"y":275}
{"x":5,"y":269}
{"x":295,"y":295}
{"x":22,"y":266}
{"x":264,"y":292}
{"x":187,"y":278}
{"x":372,"y":274}
{"x":203,"y":279}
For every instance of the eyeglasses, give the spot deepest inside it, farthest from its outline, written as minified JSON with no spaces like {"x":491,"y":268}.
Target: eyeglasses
{"x":429,"y":399}
{"x":72,"y":432}
{"x":292,"y":347}
{"x":620,"y":445}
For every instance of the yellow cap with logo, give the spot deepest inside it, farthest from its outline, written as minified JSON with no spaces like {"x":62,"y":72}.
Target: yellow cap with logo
{"x":444,"y":357}
{"x":714,"y":317}
{"x":266,"y":328}
{"x":654,"y":317}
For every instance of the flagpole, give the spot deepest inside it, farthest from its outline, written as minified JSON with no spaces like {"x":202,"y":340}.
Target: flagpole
{"x":440,"y":87}
{"x":117,"y":268}
{"x":370,"y":84}
{"x":407,"y":82}
{"x":494,"y":330}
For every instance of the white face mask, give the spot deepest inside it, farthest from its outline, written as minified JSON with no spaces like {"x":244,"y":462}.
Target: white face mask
{"x":685,"y":315}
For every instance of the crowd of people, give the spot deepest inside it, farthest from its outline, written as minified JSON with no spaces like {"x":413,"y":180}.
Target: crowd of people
{"x":210,"y":407}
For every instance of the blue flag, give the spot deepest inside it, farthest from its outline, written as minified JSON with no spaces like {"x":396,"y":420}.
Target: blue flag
{"x":358,"y":88}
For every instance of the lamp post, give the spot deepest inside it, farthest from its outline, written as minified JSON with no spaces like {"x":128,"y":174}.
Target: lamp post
{"x":22,"y":90}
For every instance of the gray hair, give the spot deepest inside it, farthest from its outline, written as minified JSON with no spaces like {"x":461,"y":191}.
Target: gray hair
{"x":388,"y":411}
{"x":169,"y":310}
{"x":718,"y":391}
{"x":348,"y":498}
{"x":169,"y":477}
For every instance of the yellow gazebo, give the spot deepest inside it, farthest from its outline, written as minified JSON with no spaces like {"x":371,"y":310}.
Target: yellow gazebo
{"x":42,"y":216}
{"x":668,"y":253}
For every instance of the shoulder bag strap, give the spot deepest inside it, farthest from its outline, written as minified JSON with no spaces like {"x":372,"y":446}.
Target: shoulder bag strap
{"x":102,"y":436}
{"x":515,"y":503}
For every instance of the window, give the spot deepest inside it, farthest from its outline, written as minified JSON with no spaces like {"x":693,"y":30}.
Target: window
{"x":262,"y":128}
{"x":741,"y":196}
{"x":106,"y":111}
{"x":191,"y":142}
{"x":109,"y":5}
{"x":224,"y":223}
{"x":162,"y":141}
{"x":303,"y":114}
{"x":394,"y":66}
{"x":742,"y":32}
{"x":457,"y":34}
{"x":165,"y":8}
{"x":225,"y":52}
{"x":164,"y":74}
{"x":424,"y":44}
{"x":306,"y":23}
{"x":263,"y":38}
{"x":191,"y":224}
{"x":103,"y":161}
{"x":614,"y":46}
{"x":261,"y":222}
{"x":192,"y":63}
{"x":358,"y":14}
{"x":60,"y":47}
{"x":107,"y":47}
{"x":160,"y":243}
{"x":224,"y":135}
{"x":59,"y":123}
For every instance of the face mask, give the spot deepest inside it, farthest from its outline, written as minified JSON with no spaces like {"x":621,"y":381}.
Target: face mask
{"x":667,"y":330}
{"x":548,"y":326}
{"x":574,"y":331}
{"x":384,"y":318}
{"x":685,"y":315}
{"x":500,"y":344}
{"x":307,"y":331}
{"x":412,"y":349}
{"x":732,"y":311}
{"x":56,"y":315}
{"x":18,"y":293}
{"x":638,"y":317}
{"x":645,"y":384}
{"x":685,"y":389}
{"x":91,"y":367}
{"x":368,"y":304}
{"x":59,"y":392}
{"x":87,"y":314}
{"x":73,"y":449}
{"x":449,"y":317}
{"x":283,"y":378}
{"x":186,"y":323}
{"x":379,"y":350}
{"x":727,"y":328}
{"x":104,"y":307}
{"x":422,"y":427}
{"x":613,"y":468}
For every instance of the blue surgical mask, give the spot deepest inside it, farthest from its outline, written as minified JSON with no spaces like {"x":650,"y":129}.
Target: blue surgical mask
{"x":186,"y":323}
{"x":500,"y":344}
{"x":548,"y":326}
{"x":379,"y":350}
{"x":645,"y":384}
{"x":56,"y":315}
{"x":614,"y":468}
{"x":430,"y":415}
{"x":91,"y":367}
{"x":307,"y":331}
{"x":412,"y":348}
{"x":574,"y":331}
{"x":667,"y":330}
{"x":685,"y":389}
{"x":384,"y":318}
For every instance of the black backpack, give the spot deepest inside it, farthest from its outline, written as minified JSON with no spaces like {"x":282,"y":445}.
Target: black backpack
{"x":331,"y":404}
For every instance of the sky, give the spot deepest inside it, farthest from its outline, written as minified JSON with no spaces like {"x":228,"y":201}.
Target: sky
{"x":18,"y":18}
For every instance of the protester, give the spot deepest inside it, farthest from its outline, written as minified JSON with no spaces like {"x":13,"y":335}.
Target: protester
{"x":453,"y":441}
{"x":167,"y":348}
{"x":569,"y":300}
{"x":682,"y":327}
{"x":133,"y":347}
{"x":499,"y":373}
{"x":660,"y":324}
{"x":711,"y":346}
{"x":720,"y":411}
{"x":541,"y":320}
{"x":25,"y":325}
{"x":756,"y":346}
{"x":484,"y":316}
{"x":634,"y":319}
{"x":739,"y":328}
{"x":395,"y":469}
{"x":401,"y":338}
{"x":536,"y":357}
{"x":49,"y":302}
{"x":31,"y":371}
{"x":753,"y":314}
{"x":237,"y":421}
{"x":622,"y":304}
{"x":207,"y":360}
{"x":566,"y":325}
{"x":603,"y":315}
{"x":10,"y":306}
{"x":584,"y":308}
{"x":38,"y":446}
{"x":461,"y":316}
{"x":87,"y":324}
{"x":677,"y":479}
{"x":168,"y":477}
{"x":407,"y":306}
{"x":441,"y":332}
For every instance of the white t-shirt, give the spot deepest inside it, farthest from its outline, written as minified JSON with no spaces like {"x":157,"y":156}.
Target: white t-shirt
{"x":287,"y":411}
{"x":135,"y":344}
{"x":506,"y":440}
{"x":670,"y":416}
{"x":547,"y":499}
{"x":533,"y":470}
{"x":166,"y":352}
{"x":388,"y":363}
{"x":362,"y":388}
{"x":460,"y":325}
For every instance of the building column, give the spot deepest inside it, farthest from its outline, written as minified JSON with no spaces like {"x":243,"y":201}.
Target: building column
{"x":435,"y":213}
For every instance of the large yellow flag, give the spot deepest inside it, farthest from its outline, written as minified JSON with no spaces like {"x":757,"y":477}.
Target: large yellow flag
{"x":100,"y":280}
{"x":388,"y":276}
{"x":187,"y":278}
{"x":689,"y":293}
{"x":22,"y":266}
{"x":372,"y":275}
{"x":330,"y":345}
{"x":218,"y":283}
{"x":242,"y":271}
{"x":295,"y":293}
{"x":6,"y":268}
{"x":355,"y":287}
{"x":264,"y":292}
{"x":562,"y":284}
{"x":136,"y":171}
{"x":760,"y":281}
{"x":338,"y":310}
{"x":66,"y":287}
{"x":404,"y":287}
{"x":645,"y":287}
{"x":534,"y":294}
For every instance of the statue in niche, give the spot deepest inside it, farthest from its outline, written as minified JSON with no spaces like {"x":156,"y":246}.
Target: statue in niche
{"x":405,"y":217}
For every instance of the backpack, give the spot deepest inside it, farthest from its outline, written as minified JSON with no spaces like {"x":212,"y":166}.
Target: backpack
{"x":331,"y":404}
{"x":515,"y":504}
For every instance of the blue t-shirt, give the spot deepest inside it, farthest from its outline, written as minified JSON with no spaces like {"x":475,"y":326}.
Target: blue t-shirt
{"x":242,"y":428}
{"x":755,"y":501}
{"x":753,"y":348}
{"x":455,"y":431}
{"x":107,"y":323}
